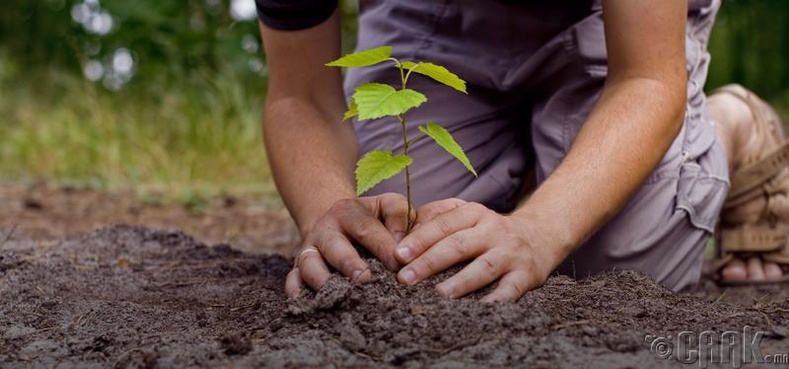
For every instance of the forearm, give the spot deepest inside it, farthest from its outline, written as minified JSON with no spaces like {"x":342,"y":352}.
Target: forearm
{"x":312,"y":155}
{"x":310,"y":150}
{"x":624,"y":138}
{"x":637,"y":117}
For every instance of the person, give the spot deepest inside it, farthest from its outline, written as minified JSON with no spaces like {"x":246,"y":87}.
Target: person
{"x":600,"y":103}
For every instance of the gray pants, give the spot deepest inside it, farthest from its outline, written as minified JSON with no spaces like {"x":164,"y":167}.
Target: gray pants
{"x":535,"y":71}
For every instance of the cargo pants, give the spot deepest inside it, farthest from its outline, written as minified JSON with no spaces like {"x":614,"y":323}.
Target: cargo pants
{"x":535,"y":70}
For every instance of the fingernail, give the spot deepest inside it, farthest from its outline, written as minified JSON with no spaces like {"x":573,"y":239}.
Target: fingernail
{"x":398,"y":236}
{"x":444,"y":290}
{"x":404,"y":253}
{"x":356,"y":275}
{"x":407,"y":276}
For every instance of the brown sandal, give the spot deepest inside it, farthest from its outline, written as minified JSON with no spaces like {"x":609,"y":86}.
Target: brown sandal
{"x":763,"y":173}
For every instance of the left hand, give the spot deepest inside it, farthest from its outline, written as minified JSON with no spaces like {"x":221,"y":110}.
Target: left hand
{"x":452,"y":231}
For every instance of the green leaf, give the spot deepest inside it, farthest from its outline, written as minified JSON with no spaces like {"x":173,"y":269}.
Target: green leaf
{"x":377,"y":166}
{"x":445,"y":140}
{"x":375,"y":100}
{"x":353,"y":110}
{"x":438,"y":73}
{"x":363,"y":58}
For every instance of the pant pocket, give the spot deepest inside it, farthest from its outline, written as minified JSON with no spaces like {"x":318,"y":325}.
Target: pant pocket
{"x":702,"y":188}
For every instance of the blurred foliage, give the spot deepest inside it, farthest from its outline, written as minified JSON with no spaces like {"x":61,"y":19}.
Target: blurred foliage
{"x":179,"y":108}
{"x":750,"y":46}
{"x":172,"y":40}
{"x":163,"y":94}
{"x":169,"y":40}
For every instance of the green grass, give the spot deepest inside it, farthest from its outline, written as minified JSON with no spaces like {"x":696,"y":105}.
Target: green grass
{"x":197,"y":136}
{"x":202,"y":134}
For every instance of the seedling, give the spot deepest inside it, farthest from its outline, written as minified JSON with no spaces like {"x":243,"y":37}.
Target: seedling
{"x":377,"y":100}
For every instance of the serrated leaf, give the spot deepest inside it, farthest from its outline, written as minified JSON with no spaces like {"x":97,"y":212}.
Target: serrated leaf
{"x":375,"y":100}
{"x":352,"y":111}
{"x":438,"y":73}
{"x":377,"y":166}
{"x":363,"y":58}
{"x":444,"y":139}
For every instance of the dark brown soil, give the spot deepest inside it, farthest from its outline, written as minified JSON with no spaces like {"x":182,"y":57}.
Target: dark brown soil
{"x":132,"y":297}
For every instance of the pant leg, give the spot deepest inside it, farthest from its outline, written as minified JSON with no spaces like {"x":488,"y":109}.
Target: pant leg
{"x":663,"y":229}
{"x":551,"y":61}
{"x":473,"y":40}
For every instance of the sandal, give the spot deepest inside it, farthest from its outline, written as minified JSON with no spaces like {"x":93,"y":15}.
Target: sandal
{"x":755,"y":216}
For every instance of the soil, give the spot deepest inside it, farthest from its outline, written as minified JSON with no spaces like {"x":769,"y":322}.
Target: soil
{"x":137,"y":297}
{"x":43,"y":212}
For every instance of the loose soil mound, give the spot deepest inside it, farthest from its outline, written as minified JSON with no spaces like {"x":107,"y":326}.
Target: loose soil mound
{"x":130,"y":297}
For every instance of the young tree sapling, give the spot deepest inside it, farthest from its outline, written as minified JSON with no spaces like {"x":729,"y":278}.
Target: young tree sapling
{"x":377,"y":100}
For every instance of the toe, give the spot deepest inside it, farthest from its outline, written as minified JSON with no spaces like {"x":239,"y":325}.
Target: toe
{"x":734,"y":271}
{"x":772,"y":271}
{"x":755,"y":269}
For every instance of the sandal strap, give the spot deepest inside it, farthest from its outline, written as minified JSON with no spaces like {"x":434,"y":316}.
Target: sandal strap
{"x":750,"y":177}
{"x":755,"y":174}
{"x":778,"y":257}
{"x":754,"y":240}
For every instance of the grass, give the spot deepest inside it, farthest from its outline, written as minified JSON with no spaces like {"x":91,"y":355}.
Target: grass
{"x":199,"y":136}
{"x":188,"y":140}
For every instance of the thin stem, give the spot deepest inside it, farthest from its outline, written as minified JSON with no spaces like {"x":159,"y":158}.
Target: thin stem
{"x":405,"y":80}
{"x":408,"y":224}
{"x":402,"y":76}
{"x":417,"y":138}
{"x":406,"y":144}
{"x":399,"y":66}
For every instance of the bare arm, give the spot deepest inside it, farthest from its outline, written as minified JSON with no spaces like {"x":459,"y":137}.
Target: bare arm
{"x":632,"y":125}
{"x":312,"y":155}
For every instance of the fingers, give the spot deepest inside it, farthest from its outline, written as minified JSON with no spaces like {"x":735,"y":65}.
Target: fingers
{"x":447,"y":252}
{"x":487,"y":268}
{"x":393,"y":209}
{"x":355,"y":219}
{"x":511,"y":287}
{"x":310,"y":269}
{"x":329,"y":242}
{"x":441,"y":226}
{"x":317,"y":272}
{"x":370,"y":233}
{"x":481,"y":272}
{"x":451,"y":231}
{"x":293,"y":283}
{"x":431,"y":210}
{"x":338,"y":252}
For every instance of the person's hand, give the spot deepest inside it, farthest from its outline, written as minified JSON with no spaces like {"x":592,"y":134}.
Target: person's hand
{"x":377,"y":223}
{"x":452,"y":231}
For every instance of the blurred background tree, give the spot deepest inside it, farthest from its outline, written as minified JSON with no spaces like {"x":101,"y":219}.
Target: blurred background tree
{"x":750,"y":46}
{"x":142,"y":43}
{"x":169,"y":93}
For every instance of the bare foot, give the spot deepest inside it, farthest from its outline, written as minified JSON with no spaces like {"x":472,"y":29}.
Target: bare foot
{"x":753,"y":270}
{"x":735,"y":125}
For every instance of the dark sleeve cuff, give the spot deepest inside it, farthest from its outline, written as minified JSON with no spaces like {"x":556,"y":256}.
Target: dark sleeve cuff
{"x":291,"y":15}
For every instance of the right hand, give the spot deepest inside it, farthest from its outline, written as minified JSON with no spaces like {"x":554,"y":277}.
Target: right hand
{"x":377,"y":223}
